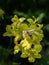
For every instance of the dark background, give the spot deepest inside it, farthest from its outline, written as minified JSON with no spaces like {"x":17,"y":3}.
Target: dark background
{"x":25,"y":8}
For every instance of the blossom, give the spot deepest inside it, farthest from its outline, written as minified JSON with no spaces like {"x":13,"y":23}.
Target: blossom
{"x":27,"y":37}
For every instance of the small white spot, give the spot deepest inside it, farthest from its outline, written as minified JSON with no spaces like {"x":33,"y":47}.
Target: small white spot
{"x":31,"y":31}
{"x":26,"y":33}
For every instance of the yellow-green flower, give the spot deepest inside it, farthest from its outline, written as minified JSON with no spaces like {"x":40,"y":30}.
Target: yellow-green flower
{"x":14,"y":19}
{"x":25,"y":44}
{"x":31,"y":59}
{"x":17,"y":37}
{"x":16,"y":48}
{"x":27,"y":37}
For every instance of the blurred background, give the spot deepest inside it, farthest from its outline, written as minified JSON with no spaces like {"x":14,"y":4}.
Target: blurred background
{"x":25,"y":8}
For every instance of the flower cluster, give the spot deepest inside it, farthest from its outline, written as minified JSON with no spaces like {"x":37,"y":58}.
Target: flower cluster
{"x":28,"y":35}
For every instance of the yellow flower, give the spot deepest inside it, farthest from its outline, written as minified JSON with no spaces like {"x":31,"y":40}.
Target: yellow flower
{"x":37,"y":55}
{"x":21,"y":19}
{"x":24,"y":43}
{"x":24,"y":55}
{"x":17,"y":37}
{"x":38,"y":47}
{"x":31,"y":59}
{"x":14,"y":19}
{"x":29,"y":34}
{"x":16,"y":49}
